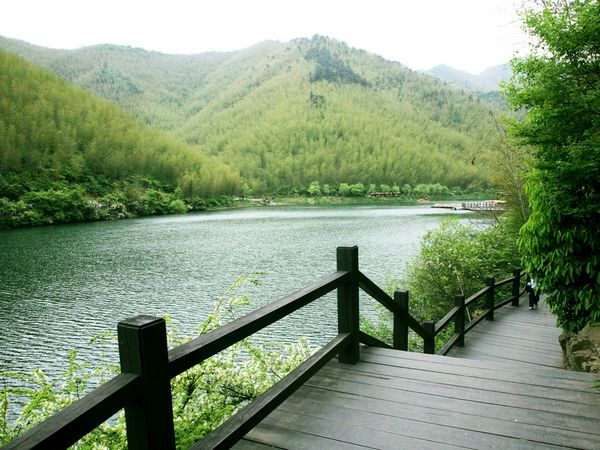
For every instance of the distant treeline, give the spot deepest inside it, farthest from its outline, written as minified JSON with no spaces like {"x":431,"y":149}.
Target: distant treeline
{"x":316,"y":189}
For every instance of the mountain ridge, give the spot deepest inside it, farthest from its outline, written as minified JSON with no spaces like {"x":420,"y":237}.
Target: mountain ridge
{"x":286,"y":114}
{"x":487,"y":80}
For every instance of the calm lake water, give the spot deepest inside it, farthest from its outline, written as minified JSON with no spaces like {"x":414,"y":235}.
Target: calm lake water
{"x":62,"y":285}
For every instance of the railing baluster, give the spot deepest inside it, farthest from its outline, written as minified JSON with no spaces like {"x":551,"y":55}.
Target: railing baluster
{"x":459,"y":320}
{"x":429,"y":341}
{"x":143,"y":351}
{"x":490,"y":297}
{"x":400,"y":330}
{"x":516,"y":287}
{"x":348,"y":314}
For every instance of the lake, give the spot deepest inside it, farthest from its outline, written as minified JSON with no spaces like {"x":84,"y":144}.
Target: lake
{"x":62,"y":285}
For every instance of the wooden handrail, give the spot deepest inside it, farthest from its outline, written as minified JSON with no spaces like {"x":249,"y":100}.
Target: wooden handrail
{"x":486,"y":314}
{"x":233,"y":429}
{"x":197,"y":350}
{"x":371,"y":341}
{"x":67,"y":426}
{"x":429,"y":330}
{"x":379,"y":295}
{"x":444,"y":321}
{"x":477,"y":295}
{"x":144,"y":370}
{"x":449,"y":345}
{"x":503,"y":282}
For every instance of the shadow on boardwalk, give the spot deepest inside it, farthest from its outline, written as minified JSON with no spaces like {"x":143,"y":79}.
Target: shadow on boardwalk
{"x":505,"y":389}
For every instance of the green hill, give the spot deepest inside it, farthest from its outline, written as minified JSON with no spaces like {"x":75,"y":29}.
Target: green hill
{"x":67,"y":156}
{"x":287,"y":114}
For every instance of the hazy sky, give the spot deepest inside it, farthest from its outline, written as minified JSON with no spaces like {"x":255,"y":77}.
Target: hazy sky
{"x":467,"y":34}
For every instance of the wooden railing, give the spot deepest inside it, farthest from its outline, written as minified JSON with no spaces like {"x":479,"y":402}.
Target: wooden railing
{"x":147,"y":366}
{"x":484,"y":206}
{"x":429,"y":329}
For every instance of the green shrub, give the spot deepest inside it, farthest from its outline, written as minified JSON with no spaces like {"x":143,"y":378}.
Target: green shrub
{"x":314,"y":189}
{"x":456,"y":259}
{"x":177,"y":207}
{"x":59,"y":206}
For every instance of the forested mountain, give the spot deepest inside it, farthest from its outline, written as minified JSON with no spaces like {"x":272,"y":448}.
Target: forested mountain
{"x":62,"y":149}
{"x":488,"y":80}
{"x":287,"y":114}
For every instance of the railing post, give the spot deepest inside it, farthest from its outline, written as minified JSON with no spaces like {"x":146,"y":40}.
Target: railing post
{"x":459,"y":320}
{"x":516,"y":286}
{"x":348,"y":316}
{"x":429,"y":341}
{"x":143,"y":351}
{"x":489,"y":298}
{"x":400,"y":330}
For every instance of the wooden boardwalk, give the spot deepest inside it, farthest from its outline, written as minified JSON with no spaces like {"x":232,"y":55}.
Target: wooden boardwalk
{"x":517,"y":334}
{"x":505,"y":391}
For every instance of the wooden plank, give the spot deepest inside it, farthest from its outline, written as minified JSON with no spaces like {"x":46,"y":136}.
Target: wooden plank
{"x":516,"y":343}
{"x":369,"y":340}
{"x":552,"y":357}
{"x":540,"y":315}
{"x":478,"y":406}
{"x":531,"y":318}
{"x":477,"y":409}
{"x":491,"y":386}
{"x":344,"y":430}
{"x":522,"y":313}
{"x":449,"y":391}
{"x":246,"y":444}
{"x":234,"y":428}
{"x":480,"y":371}
{"x":449,"y":427}
{"x":518,"y":335}
{"x":512,"y":340}
{"x":478,"y":403}
{"x":559,"y":374}
{"x":489,"y":383}
{"x":482,"y":351}
{"x":522,"y":327}
{"x":527,"y":336}
{"x":529,"y":331}
{"x":520,"y":341}
{"x":197,"y":350}
{"x":379,"y":294}
{"x":272,"y":433}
